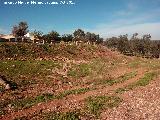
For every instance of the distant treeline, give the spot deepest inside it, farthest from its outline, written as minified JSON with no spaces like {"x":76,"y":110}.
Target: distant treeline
{"x":78,"y":35}
{"x":135,"y":46}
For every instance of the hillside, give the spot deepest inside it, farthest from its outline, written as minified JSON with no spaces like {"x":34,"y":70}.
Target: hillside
{"x":72,"y":82}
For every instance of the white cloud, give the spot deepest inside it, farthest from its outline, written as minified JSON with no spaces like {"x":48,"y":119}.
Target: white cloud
{"x":140,"y":22}
{"x":144,"y":28}
{"x":129,"y":9}
{"x":3,"y":31}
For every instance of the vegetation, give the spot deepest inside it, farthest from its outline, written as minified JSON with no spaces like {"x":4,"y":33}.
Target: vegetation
{"x":28,"y":51}
{"x":62,"y":116}
{"x":29,"y":69}
{"x":135,"y":46}
{"x":120,"y":79}
{"x":67,"y":37}
{"x":81,"y":70}
{"x":69,"y":92}
{"x":80,"y":35}
{"x":73,"y":73}
{"x":18,"y":104}
{"x":51,"y":37}
{"x":141,"y":82}
{"x":71,"y":115}
{"x":97,"y":103}
{"x":28,"y":102}
{"x":20,"y":30}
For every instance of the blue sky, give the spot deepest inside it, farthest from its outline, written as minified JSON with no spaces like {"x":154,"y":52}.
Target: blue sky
{"x":105,"y":17}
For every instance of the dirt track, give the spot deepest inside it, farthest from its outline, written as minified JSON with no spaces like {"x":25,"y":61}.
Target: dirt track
{"x":76,"y":101}
{"x":140,"y":104}
{"x":101,"y":75}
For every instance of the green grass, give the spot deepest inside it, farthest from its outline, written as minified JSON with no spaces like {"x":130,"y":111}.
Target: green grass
{"x":153,"y":64}
{"x":71,"y":115}
{"x":120,"y":79}
{"x":72,"y":49}
{"x":69,"y":92}
{"x":81,"y":70}
{"x":61,"y":116}
{"x":18,"y":104}
{"x":134,"y":64}
{"x":138,"y":62}
{"x":97,"y":103}
{"x":28,"y":102}
{"x":14,"y":69}
{"x":145,"y":80}
{"x":121,"y":90}
{"x":99,"y":66}
{"x":30,"y":51}
{"x":126,"y":76}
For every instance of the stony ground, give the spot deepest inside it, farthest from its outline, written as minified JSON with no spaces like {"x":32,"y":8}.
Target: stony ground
{"x":140,"y":104}
{"x":109,"y":86}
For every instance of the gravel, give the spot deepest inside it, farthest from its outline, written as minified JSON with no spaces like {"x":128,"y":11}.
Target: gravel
{"x":142,"y":103}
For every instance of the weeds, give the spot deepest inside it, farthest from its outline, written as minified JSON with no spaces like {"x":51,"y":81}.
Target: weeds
{"x":69,"y":92}
{"x":81,"y":70}
{"x":120,"y":79}
{"x":14,"y":69}
{"x":61,"y":116}
{"x":141,"y":82}
{"x":97,"y":103}
{"x":28,"y":102}
{"x":74,"y":115}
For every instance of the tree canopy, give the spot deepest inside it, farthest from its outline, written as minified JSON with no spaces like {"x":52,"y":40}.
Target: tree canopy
{"x":135,"y":46}
{"x":20,"y":30}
